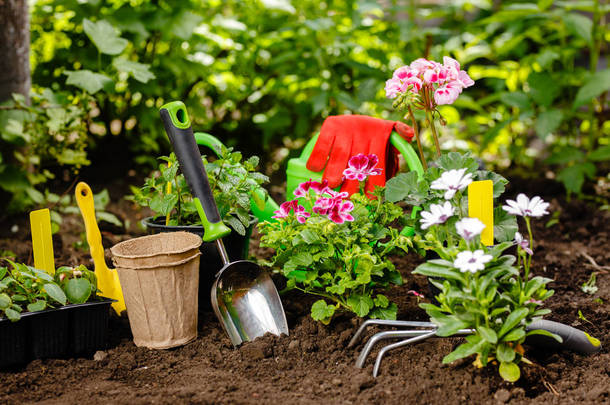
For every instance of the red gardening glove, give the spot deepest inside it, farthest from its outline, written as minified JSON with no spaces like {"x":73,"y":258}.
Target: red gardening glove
{"x":345,"y":136}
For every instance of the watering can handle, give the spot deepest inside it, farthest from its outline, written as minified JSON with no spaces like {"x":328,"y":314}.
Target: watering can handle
{"x":180,"y":132}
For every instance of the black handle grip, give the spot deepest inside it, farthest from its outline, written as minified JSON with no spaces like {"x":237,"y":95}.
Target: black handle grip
{"x":180,"y":132}
{"x":573,"y":339}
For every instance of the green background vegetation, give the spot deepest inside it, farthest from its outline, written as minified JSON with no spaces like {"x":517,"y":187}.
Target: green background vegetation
{"x":263,"y":74}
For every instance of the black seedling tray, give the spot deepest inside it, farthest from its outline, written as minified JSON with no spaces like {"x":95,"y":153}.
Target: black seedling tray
{"x":71,"y":330}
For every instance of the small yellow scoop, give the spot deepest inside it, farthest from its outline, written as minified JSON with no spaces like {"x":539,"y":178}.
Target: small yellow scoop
{"x":107,"y":279}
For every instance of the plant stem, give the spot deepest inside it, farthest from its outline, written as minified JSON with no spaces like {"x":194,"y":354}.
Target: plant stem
{"x":416,"y":132}
{"x":529,"y":259}
{"x":430,"y":118}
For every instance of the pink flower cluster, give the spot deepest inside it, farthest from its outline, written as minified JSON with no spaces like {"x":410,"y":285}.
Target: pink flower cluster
{"x":446,"y":81}
{"x":289,"y":206}
{"x":328,"y":202}
{"x":362,"y":166}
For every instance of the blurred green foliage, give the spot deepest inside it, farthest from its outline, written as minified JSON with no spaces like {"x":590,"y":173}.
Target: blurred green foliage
{"x":265,"y":73}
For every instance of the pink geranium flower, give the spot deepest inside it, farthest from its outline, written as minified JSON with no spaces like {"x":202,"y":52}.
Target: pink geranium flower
{"x":361,"y":166}
{"x":447,"y":94}
{"x":340,"y":212}
{"x":303,"y":188}
{"x":289,"y":206}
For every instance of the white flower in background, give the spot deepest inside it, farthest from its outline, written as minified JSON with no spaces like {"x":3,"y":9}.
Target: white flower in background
{"x":536,"y":207}
{"x":453,"y":181}
{"x":468,"y":228}
{"x":471,"y":261}
{"x":438,"y":214}
{"x":523,"y":243}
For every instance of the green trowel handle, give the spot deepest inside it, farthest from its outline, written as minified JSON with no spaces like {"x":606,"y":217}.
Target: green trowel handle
{"x":180,"y":133}
{"x":573,"y":339}
{"x":261,"y":205}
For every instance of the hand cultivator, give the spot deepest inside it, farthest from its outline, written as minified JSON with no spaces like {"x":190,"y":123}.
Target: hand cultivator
{"x":416,"y":331}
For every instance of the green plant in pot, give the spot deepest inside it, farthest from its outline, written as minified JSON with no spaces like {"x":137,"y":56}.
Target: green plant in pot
{"x":337,"y":248}
{"x":234,"y":181}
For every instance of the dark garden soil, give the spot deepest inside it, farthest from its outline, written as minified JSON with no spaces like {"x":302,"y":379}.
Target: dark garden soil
{"x":313,"y":365}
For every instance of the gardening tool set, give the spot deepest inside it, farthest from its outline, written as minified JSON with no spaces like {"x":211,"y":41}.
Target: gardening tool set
{"x":156,"y":279}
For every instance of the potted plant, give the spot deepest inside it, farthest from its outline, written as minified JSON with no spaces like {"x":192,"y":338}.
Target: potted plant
{"x":233,"y":181}
{"x":337,"y":247}
{"x":47,"y":315}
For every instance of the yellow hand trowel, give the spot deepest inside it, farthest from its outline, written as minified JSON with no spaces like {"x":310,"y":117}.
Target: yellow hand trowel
{"x":42,"y":241}
{"x":107,"y":279}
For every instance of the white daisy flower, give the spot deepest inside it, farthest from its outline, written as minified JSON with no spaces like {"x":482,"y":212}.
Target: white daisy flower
{"x":468,"y":228}
{"x":438,"y":214}
{"x":471,"y":261}
{"x":452,"y":181}
{"x":523,"y":243}
{"x":536,"y":207}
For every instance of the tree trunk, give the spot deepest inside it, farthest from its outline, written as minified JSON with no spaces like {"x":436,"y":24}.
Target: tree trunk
{"x":14,"y":48}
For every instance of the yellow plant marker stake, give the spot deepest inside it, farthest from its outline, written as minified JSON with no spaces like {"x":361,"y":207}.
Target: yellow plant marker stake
{"x":42,"y":240}
{"x":481,"y":206}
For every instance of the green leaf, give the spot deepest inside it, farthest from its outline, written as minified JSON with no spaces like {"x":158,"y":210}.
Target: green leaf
{"x":139,"y":71}
{"x":41,"y":274}
{"x":385,"y":313}
{"x":78,"y":290}
{"x":37,"y":306}
{"x":309,"y":236}
{"x":163,"y":204}
{"x":512,"y":320}
{"x":87,"y":80}
{"x":56,"y":293}
{"x":505,"y":353}
{"x":548,"y":122}
{"x":513,"y":335}
{"x":543,"y":88}
{"x":449,"y":325}
{"x":593,"y":87}
{"x":321,"y":311}
{"x":565,"y":154}
{"x":302,"y":259}
{"x":108,"y":217}
{"x":510,"y":371}
{"x":505,"y":225}
{"x":185,"y":24}
{"x":12,"y":315}
{"x":105,"y":37}
{"x":360,"y":304}
{"x":439,"y":268}
{"x":544,"y":332}
{"x":579,"y":25}
{"x":5,"y":301}
{"x":573,"y":176}
{"x":381,"y":301}
{"x":464,"y":350}
{"x":600,"y":154}
{"x":517,"y":99}
{"x":488,"y":334}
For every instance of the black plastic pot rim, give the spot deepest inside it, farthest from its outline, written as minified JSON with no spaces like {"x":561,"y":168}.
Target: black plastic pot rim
{"x":149,"y":222}
{"x":103,"y":300}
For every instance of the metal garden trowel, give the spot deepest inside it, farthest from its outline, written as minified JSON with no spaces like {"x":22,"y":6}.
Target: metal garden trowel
{"x":244,"y":297}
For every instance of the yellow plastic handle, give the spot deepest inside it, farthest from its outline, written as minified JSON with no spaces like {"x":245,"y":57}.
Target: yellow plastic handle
{"x":42,"y":240}
{"x":107,"y":279}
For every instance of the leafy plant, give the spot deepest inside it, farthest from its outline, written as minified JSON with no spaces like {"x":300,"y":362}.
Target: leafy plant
{"x":232,"y":181}
{"x":338,"y":250}
{"x":480,"y":287}
{"x":24,"y":288}
{"x":416,"y":191}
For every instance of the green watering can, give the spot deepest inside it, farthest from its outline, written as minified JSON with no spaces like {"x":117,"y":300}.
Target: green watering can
{"x":263,"y":207}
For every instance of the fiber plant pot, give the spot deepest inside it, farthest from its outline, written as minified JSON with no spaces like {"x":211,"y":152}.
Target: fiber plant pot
{"x":236,"y":245}
{"x":71,"y":330}
{"x":159,"y":277}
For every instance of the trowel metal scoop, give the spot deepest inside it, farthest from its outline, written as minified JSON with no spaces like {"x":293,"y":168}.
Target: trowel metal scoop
{"x":244,"y":297}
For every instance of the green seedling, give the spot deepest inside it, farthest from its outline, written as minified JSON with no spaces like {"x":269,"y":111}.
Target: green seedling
{"x":26,"y":289}
{"x":589,"y":286}
{"x":232,"y":181}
